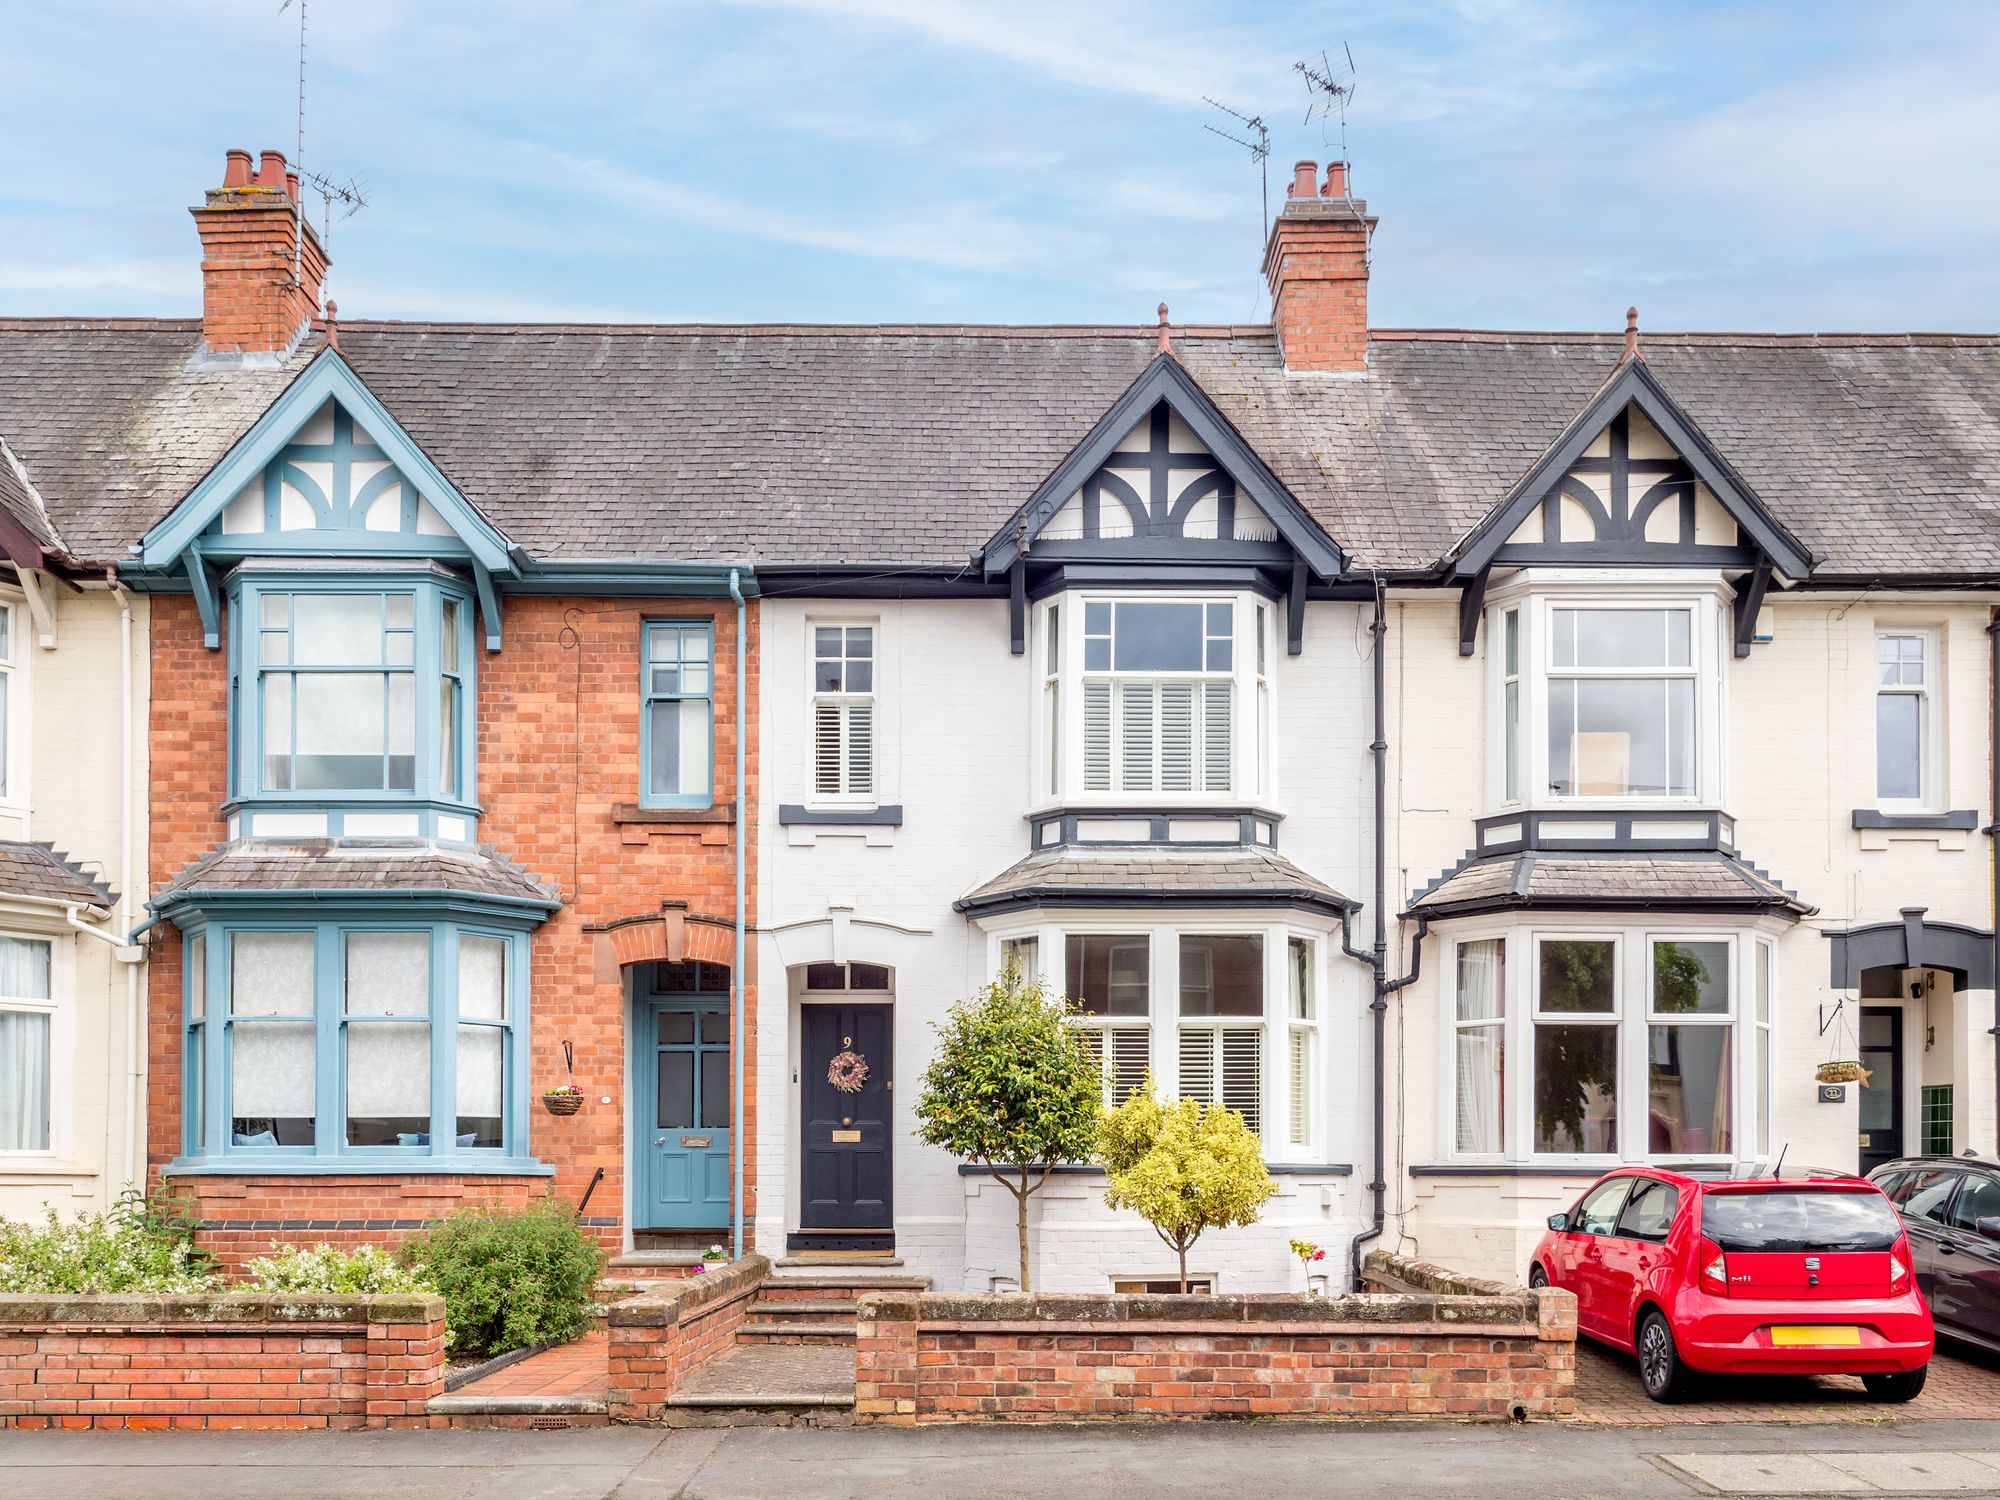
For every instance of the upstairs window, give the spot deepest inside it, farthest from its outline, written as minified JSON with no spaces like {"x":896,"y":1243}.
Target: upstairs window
{"x":679,"y":726}
{"x":1905,"y":728}
{"x":843,"y":712}
{"x":1621,"y":703}
{"x":1159,"y":695}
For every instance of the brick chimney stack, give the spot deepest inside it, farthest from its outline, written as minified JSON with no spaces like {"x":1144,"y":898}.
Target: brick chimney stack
{"x":1317,"y":264}
{"x":250,"y":304}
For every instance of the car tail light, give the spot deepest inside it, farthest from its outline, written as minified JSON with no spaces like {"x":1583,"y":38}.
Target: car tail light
{"x":1899,"y":1266}
{"x":1714,"y":1269}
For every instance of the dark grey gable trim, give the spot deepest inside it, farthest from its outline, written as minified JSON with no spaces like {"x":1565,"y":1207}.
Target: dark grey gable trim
{"x":1634,"y":384}
{"x":1911,"y":943}
{"x":1166,"y":379}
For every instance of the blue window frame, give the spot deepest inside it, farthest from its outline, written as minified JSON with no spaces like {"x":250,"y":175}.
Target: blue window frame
{"x":353,"y":689}
{"x":356,"y":1044}
{"x":677,"y":737}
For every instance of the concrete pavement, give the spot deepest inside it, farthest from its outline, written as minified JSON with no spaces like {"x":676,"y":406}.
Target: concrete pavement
{"x":1212,"y":1462}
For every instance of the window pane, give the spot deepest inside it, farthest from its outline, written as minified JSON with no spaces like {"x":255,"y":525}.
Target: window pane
{"x":271,"y":974}
{"x":1576,"y":1082}
{"x":1222,"y":976}
{"x":447,"y":736}
{"x":337,"y":630}
{"x":715,"y":1028}
{"x":24,"y":968}
{"x":826,"y":976}
{"x":482,"y":976}
{"x":1625,"y":638}
{"x":1621,"y":739}
{"x":1023,"y":954}
{"x":274,"y":611}
{"x":1481,"y":1086}
{"x":1563,"y":647}
{"x":1107,"y":975}
{"x":24,"y":1080}
{"x":388,"y":1083}
{"x":1899,"y":746}
{"x":676,"y":1028}
{"x":1513,"y":741}
{"x":1159,"y":638}
{"x":680,"y":754}
{"x":867,"y":977}
{"x":1054,"y":660}
{"x":278,"y":731}
{"x":482,"y":1057}
{"x":453,"y":615}
{"x":398,"y":611}
{"x":1687,"y":1090}
{"x":1978,"y":1199}
{"x":1096,"y":618}
{"x":1764,"y":983}
{"x":714,"y":1113}
{"x":273,"y":1087}
{"x":342,"y":727}
{"x":1691,"y":978}
{"x":1512,"y":647}
{"x":1562,"y":729}
{"x":388,"y":974}
{"x":402,"y":731}
{"x":1482,"y":991}
{"x":1578,"y":975}
{"x":1224,"y":1066}
{"x":1299,"y":978}
{"x":197,"y":976}
{"x":676,"y":1084}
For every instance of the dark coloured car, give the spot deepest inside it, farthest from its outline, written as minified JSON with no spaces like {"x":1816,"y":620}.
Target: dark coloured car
{"x":1951,"y":1210}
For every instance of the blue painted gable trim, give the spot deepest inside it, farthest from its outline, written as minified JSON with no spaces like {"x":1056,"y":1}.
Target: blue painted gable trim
{"x":327,"y":377}
{"x":1634,"y":384}
{"x":1166,"y":379}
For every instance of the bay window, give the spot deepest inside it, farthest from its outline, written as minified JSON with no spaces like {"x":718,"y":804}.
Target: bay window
{"x":1144,"y":696}
{"x":351,"y":1041}
{"x":1222,"y":1023}
{"x":1635,"y":1045}
{"x":1108,"y":977}
{"x":27,"y":1043}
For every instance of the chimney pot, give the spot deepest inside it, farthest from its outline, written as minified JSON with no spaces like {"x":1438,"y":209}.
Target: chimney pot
{"x":1336,"y":180}
{"x":1302,"y":179}
{"x":236,"y":169}
{"x":271,"y":170}
{"x":291,"y":184}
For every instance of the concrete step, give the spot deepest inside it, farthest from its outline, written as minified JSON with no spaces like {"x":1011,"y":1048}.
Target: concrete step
{"x":760,"y":1409}
{"x":844,"y":1259}
{"x":802,"y":1307}
{"x":843,"y":1280}
{"x":543,"y":1413}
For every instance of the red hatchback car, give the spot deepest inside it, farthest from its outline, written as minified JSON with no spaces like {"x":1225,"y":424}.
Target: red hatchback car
{"x":1801,"y":1275}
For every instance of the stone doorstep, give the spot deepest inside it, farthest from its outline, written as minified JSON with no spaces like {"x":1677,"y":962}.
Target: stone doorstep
{"x":516,"y":1406}
{"x":828,"y":1259}
{"x":761,"y":1399}
{"x":791,"y":1307}
{"x":822,"y":1281}
{"x":794,"y":1333}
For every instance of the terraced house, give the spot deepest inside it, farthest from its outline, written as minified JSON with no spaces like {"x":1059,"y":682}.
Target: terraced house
{"x":1478,"y":758}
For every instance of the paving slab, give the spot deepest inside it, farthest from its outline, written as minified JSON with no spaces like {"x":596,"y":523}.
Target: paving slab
{"x":1907,"y":1473}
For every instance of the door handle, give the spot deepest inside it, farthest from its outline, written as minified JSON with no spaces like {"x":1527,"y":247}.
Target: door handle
{"x":659,"y":1140}
{"x":1946,"y":1248}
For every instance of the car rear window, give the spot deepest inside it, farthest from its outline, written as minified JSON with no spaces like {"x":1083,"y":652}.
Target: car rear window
{"x":1799,"y":1219}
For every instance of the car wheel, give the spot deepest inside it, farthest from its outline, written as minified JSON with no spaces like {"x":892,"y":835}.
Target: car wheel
{"x":1904,"y":1385}
{"x":1537,"y":1277}
{"x":1660,"y":1369}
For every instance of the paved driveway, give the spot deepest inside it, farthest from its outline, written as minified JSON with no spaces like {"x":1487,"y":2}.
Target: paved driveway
{"x":1963,"y":1383}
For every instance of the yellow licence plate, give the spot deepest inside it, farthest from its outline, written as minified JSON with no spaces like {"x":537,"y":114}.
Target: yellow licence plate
{"x":1816,"y":1333}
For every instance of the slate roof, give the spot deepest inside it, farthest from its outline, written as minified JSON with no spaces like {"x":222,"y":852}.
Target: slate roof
{"x":373,"y":866}
{"x":1680,"y":881}
{"x":19,"y":500}
{"x":38,"y":870}
{"x":907,"y":447}
{"x":1153,"y":872}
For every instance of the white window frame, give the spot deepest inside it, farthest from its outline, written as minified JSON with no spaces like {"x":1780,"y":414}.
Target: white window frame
{"x":1930,"y":718}
{"x":1165,"y":1024}
{"x":15,"y":666}
{"x":1536,"y":596}
{"x":849,"y":795}
{"x":60,"y":1008}
{"x":1059,"y":716}
{"x":1633,"y":1016}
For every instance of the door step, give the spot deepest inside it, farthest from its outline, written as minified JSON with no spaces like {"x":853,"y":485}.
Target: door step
{"x":804,"y":1331}
{"x":839,"y":1258}
{"x":760,"y":1409}
{"x":816,"y":1242}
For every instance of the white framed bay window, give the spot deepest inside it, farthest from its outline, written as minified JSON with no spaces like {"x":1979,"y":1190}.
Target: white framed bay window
{"x":1151,"y":697}
{"x":1594,"y":1045}
{"x":1606,"y":697}
{"x":1225,"y":1010}
{"x":36,"y":1047}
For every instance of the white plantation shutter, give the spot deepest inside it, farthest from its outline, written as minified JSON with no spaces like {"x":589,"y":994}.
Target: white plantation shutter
{"x":1177,"y":736}
{"x":1198,"y":1064}
{"x":1225,"y":1065}
{"x":1136,"y":731}
{"x":860,"y":748}
{"x":1130,"y":1051}
{"x":1300,"y":1085}
{"x":1097,"y":736}
{"x":827,"y":738}
{"x":1216,"y":725}
{"x":843,"y":749}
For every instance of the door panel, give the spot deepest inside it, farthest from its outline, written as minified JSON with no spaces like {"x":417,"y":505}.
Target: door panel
{"x":845,"y":1158}
{"x":681,"y":1120}
{"x":1968,"y":1277}
{"x":1882,"y":1094}
{"x":1595,"y":1222}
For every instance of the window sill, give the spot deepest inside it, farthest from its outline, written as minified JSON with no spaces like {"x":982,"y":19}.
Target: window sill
{"x":279,"y":1165}
{"x":1962,"y":821}
{"x":1515,"y":1169}
{"x":632,"y":812}
{"x":42,"y":1166}
{"x":1276,"y":1169}
{"x":881,"y":815}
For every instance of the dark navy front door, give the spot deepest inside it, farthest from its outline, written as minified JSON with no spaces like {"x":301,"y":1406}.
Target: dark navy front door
{"x":846,"y":1158}
{"x":681,"y":1118}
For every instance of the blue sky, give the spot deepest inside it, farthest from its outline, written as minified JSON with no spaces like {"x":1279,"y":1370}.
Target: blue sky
{"x":1535,"y":164}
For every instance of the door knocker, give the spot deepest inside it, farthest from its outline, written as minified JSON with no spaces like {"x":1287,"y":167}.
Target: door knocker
{"x":848,"y":1071}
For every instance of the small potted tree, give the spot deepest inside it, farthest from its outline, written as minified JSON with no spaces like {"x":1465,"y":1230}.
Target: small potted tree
{"x":1184,"y":1167}
{"x":1013,"y":1087}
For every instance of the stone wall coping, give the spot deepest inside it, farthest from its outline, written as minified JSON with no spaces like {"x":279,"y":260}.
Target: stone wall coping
{"x":685,"y":1298}
{"x":1423,"y":1276}
{"x":984,"y":1309}
{"x":1300,"y":1329}
{"x":227,"y":1309}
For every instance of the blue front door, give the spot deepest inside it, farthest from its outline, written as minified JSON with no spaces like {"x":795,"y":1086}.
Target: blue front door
{"x":682,"y":1114}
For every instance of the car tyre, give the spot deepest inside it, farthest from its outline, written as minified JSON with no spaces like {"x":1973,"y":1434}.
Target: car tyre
{"x":1537,"y":1277}
{"x":1902,"y":1385}
{"x":1661,"y":1370}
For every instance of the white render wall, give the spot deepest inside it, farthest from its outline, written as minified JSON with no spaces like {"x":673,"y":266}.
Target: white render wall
{"x":65,"y":791}
{"x":954,"y":734}
{"x":1799,"y":758}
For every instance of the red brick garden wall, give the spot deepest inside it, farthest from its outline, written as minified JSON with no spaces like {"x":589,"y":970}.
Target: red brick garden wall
{"x":1081,"y":1358}
{"x":659,"y":1337}
{"x":559,"y":725}
{"x":220,"y":1361}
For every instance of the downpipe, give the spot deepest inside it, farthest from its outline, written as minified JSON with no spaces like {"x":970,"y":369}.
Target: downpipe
{"x":739,"y":1140}
{"x":1993,"y":841}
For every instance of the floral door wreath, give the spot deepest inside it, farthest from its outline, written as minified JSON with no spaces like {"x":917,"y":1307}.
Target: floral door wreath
{"x":847,"y":1072}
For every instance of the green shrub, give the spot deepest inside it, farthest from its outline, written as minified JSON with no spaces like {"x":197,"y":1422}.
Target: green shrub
{"x":509,"y":1277}
{"x":140,"y":1246}
{"x":330,"y":1269}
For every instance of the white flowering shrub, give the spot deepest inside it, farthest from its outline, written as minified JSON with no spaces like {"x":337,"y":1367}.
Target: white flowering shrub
{"x":330,"y":1270}
{"x":140,"y":1246}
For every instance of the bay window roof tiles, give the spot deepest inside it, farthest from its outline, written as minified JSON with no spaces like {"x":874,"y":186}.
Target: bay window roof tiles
{"x":279,"y":867}
{"x":908,"y":446}
{"x":1694,"y":880}
{"x":1237,"y":875}
{"x":42,"y":873}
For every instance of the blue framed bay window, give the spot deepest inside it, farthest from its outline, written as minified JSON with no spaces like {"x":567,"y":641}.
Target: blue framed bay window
{"x":677,"y":717}
{"x":354,"y":695}
{"x":356,"y":1043}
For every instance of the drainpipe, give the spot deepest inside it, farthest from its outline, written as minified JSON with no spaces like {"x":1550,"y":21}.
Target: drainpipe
{"x":1378,"y":959}
{"x":739,"y":1141}
{"x":1993,"y":841}
{"x":134,"y":1056}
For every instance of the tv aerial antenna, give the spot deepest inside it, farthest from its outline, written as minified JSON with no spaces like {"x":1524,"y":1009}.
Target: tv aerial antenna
{"x":1331,"y":86}
{"x":351,"y":194}
{"x":1259,"y":148}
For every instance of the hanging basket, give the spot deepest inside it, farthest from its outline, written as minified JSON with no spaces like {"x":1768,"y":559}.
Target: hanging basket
{"x":1839,"y":1072}
{"x":562,"y":1103}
